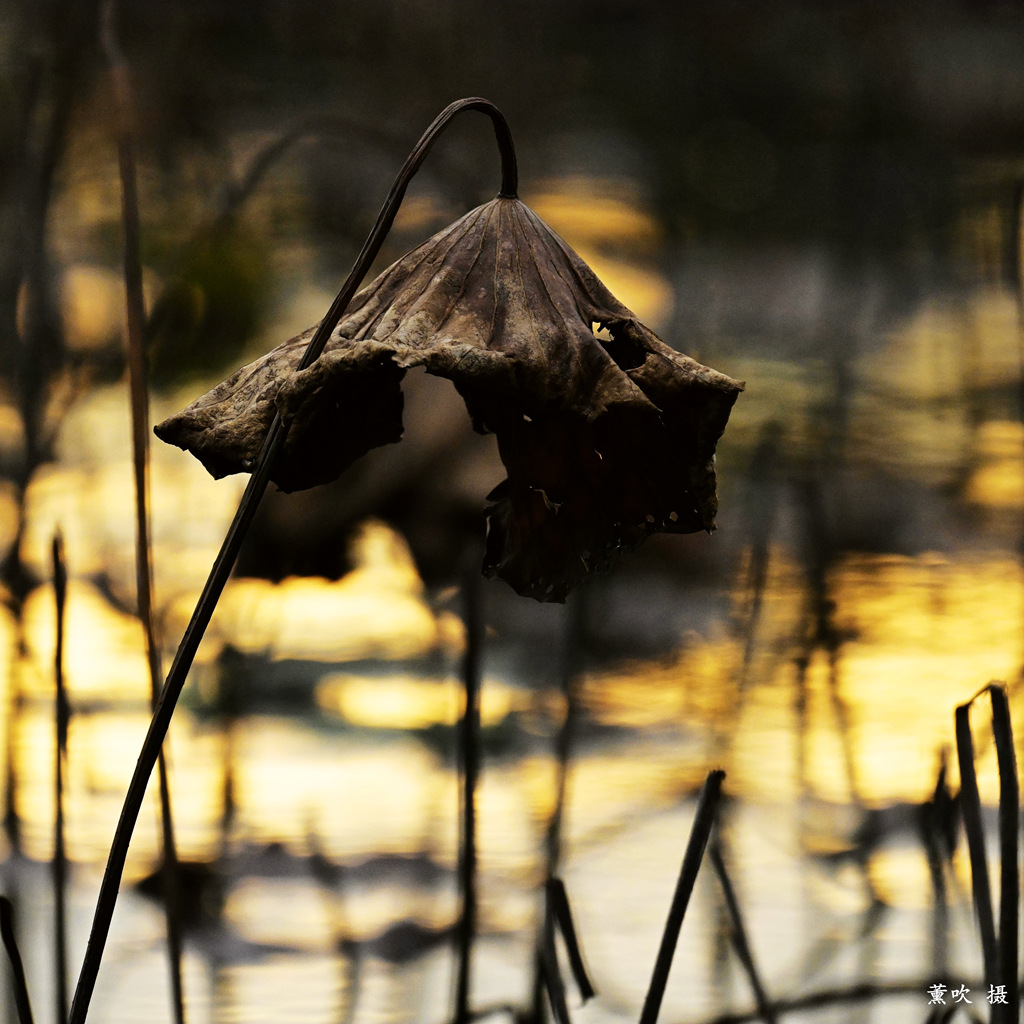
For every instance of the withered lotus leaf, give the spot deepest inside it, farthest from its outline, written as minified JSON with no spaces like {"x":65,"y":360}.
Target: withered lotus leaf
{"x":607,"y":436}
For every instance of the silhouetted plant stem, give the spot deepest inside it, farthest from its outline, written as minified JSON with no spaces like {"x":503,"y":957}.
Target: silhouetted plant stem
{"x":225,"y":560}
{"x":572,"y":663}
{"x":60,"y":863}
{"x":560,"y":913}
{"x":1001,"y":955}
{"x":818,"y":627}
{"x":703,"y":821}
{"x":12,"y":717}
{"x":738,"y":934}
{"x":970,"y":806}
{"x":938,"y":848}
{"x":1009,"y":859}
{"x":557,"y":915}
{"x":547,"y":957}
{"x":21,"y":1000}
{"x":469,"y":764}
{"x":139,"y":392}
{"x":572,"y":658}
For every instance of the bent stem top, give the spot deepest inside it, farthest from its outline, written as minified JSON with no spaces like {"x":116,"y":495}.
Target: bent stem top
{"x":225,"y":560}
{"x":386,"y":217}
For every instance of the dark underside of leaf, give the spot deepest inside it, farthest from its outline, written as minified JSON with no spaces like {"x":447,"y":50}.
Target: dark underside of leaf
{"x":579,"y":493}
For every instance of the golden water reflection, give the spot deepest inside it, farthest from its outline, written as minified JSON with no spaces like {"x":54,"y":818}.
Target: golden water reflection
{"x":279,"y":988}
{"x":104,"y":647}
{"x":88,"y":495}
{"x":365,"y":770}
{"x":409,"y":702}
{"x":998,"y":481}
{"x":920,"y":636}
{"x":282,"y":911}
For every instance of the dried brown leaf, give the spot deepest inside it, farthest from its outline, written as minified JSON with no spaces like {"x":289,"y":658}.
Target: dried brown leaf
{"x":606,"y":438}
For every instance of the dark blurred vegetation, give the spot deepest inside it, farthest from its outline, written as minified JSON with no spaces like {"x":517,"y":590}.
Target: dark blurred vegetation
{"x":877,"y":140}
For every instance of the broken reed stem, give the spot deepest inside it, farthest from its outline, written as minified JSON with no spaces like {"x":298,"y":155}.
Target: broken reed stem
{"x":703,"y":821}
{"x":21,"y":1000}
{"x":139,"y":393}
{"x":61,"y":714}
{"x":549,"y":976}
{"x":469,"y":764}
{"x":1009,"y":856}
{"x":225,"y":560}
{"x":547,"y":958}
{"x":970,"y":808}
{"x":738,"y":934}
{"x":559,"y":911}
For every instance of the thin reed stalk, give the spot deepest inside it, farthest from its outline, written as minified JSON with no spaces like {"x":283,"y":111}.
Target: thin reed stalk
{"x":561,"y":914}
{"x":738,"y":935}
{"x":558,"y":917}
{"x":469,"y":771}
{"x":228,"y":554}
{"x":1008,"y":964}
{"x":139,"y":392}
{"x":1001,"y":955}
{"x":703,"y":821}
{"x":572,"y":665}
{"x":970,"y":808}
{"x":21,"y":1000}
{"x":549,"y":972}
{"x":60,"y":862}
{"x":572,"y":662}
{"x":936,"y":837}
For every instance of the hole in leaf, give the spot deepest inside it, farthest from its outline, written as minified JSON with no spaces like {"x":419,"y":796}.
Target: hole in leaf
{"x":619,"y":343}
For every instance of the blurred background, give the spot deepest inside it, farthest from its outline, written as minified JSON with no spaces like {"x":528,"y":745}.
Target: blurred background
{"x":822,"y":200}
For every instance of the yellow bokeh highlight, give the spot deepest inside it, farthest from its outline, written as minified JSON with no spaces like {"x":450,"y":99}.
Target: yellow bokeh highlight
{"x":408,"y":702}
{"x":608,"y":229}
{"x":104,"y":649}
{"x":89,"y":495}
{"x":375,"y":611}
{"x":290,"y":911}
{"x":948,"y":346}
{"x":92,"y":300}
{"x":594,"y":211}
{"x":998,"y":480}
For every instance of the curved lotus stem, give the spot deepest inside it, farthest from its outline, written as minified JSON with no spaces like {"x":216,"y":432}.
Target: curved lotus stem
{"x":225,"y":560}
{"x":386,"y":217}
